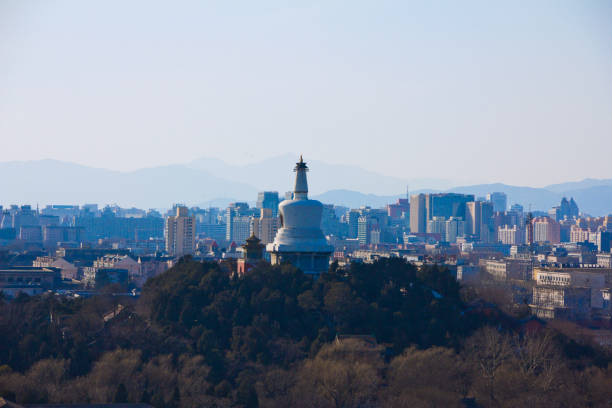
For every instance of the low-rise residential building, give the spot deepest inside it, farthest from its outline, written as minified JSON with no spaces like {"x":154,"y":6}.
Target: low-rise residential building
{"x":567,"y":293}
{"x":27,"y":279}
{"x":604,"y":260}
{"x":99,"y":277}
{"x":68,"y":270}
{"x":119,"y":262}
{"x":468,"y":273}
{"x":509,"y":268}
{"x":561,"y":302}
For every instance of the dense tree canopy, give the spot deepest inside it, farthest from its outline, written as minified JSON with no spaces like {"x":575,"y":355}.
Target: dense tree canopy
{"x":200,"y":337}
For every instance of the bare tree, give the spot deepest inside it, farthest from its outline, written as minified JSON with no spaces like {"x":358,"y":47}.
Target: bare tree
{"x":343,"y":375}
{"x":433,"y":377}
{"x":489,"y":350}
{"x":536,"y":355}
{"x":115,"y":368}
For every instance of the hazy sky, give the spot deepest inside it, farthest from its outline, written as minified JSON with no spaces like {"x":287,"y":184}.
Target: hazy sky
{"x":474,"y":91}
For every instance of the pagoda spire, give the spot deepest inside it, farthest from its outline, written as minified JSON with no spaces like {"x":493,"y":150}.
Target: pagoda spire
{"x":300,"y":190}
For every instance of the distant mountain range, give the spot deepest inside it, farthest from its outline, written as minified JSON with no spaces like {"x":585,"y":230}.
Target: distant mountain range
{"x":595,"y":200}
{"x":211,"y":182}
{"x":54,"y":182}
{"x":275,"y":174}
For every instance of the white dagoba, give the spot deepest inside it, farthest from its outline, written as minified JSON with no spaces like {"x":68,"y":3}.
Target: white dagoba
{"x":300,"y":240}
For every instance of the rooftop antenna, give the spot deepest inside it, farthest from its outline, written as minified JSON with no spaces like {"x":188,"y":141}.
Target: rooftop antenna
{"x":407,"y":193}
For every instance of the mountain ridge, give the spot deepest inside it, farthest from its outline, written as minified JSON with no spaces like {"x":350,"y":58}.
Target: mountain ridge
{"x":50,"y":181}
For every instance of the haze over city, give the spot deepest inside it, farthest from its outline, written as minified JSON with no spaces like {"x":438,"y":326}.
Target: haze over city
{"x":319,"y":204}
{"x":471,"y":92}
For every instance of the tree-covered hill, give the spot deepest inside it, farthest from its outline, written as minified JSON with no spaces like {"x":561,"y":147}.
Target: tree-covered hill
{"x":199,"y":337}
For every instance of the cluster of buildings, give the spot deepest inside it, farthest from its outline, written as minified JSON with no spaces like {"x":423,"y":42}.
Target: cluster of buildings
{"x":557,"y":262}
{"x":127,"y":247}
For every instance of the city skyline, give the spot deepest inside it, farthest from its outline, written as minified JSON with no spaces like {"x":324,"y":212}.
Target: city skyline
{"x":315,"y":204}
{"x":391,"y":88}
{"x":204,"y":183}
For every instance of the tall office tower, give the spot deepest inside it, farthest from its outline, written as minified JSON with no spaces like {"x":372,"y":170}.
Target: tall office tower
{"x":567,"y":209}
{"x":516,"y":212}
{"x":372,"y":221}
{"x":607,"y":222}
{"x":330,"y":224}
{"x":499,"y":200}
{"x":479,"y":221}
{"x":487,"y":229}
{"x":446,"y":204}
{"x":24,"y":216}
{"x":372,"y":226}
{"x":455,"y":227}
{"x":89,"y":209}
{"x":473,"y":218}
{"x":180,"y":233}
{"x":603,"y":240}
{"x":6,"y":220}
{"x":418,"y":213}
{"x":365,"y":226}
{"x":270,"y":200}
{"x":353,"y":223}
{"x":517,"y":208}
{"x":529,"y":229}
{"x":574,"y":212}
{"x":397,"y":210}
{"x":555,"y":213}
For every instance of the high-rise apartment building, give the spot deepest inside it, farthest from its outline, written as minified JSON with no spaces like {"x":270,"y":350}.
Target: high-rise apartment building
{"x":455,"y":227}
{"x":372,"y":225}
{"x":180,"y":233}
{"x":546,"y":230}
{"x":437,"y":225}
{"x":265,"y":227}
{"x":233,"y":211}
{"x":241,"y":228}
{"x":511,"y":235}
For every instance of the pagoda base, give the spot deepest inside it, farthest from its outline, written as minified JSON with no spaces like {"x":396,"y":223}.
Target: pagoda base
{"x":312,"y":263}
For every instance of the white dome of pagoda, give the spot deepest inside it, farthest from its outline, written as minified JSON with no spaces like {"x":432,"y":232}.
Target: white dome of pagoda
{"x":300,"y":232}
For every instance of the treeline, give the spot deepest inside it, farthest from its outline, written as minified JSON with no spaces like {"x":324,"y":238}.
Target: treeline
{"x":382,"y":334}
